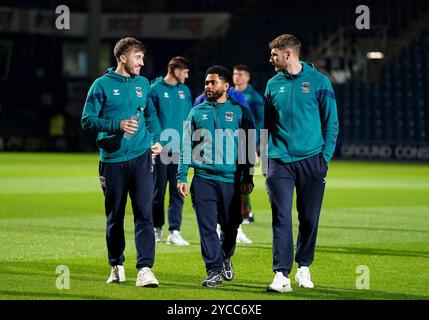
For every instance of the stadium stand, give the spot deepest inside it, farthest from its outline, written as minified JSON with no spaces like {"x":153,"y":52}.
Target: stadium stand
{"x":381,"y":101}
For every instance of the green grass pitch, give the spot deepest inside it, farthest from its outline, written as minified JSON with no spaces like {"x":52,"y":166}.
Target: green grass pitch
{"x":51,"y":214}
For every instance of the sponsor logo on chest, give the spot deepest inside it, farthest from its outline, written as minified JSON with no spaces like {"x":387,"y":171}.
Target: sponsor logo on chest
{"x":166,"y":95}
{"x":116,"y":92}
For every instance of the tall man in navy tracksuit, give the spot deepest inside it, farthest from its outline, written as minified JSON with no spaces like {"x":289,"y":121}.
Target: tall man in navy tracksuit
{"x":220,"y":174}
{"x":172,"y":100}
{"x":126,"y":150}
{"x":301,"y":117}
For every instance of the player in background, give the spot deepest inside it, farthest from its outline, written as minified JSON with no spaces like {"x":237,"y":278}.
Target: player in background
{"x":172,"y":100}
{"x":241,"y":77}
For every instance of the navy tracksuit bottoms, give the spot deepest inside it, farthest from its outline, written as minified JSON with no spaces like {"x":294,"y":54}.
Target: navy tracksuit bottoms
{"x":164,"y":173}
{"x":308,"y":177}
{"x":117,"y":180}
{"x":216,"y":202}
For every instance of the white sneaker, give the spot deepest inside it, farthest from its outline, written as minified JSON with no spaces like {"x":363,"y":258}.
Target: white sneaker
{"x":175,"y":238}
{"x":158,"y":234}
{"x":146,"y":278}
{"x":303,"y":278}
{"x":280,"y":283}
{"x":117,"y":275}
{"x":241,"y":236}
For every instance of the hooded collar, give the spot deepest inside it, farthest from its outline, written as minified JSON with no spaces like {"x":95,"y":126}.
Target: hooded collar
{"x":305,"y":68}
{"x":112,"y":74}
{"x":162,"y":81}
{"x":217,"y":104}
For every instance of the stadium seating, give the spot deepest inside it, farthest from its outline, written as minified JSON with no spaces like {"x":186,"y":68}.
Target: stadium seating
{"x":391,"y":109}
{"x":394,"y":108}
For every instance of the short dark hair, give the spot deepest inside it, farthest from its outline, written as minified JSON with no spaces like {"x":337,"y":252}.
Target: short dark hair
{"x":286,"y":41}
{"x":124,"y":45}
{"x":178,"y":63}
{"x":221,"y":71}
{"x":242,"y":67}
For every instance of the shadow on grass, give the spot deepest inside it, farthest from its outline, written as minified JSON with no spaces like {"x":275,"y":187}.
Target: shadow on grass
{"x":331,"y":293}
{"x":46,"y":295}
{"x":373,"y":251}
{"x":373,"y":229}
{"x":178,"y":285}
{"x":355,"y":250}
{"x":321,"y":292}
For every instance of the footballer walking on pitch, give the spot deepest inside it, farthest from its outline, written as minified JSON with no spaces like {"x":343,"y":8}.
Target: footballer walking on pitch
{"x":301,"y":117}
{"x":219,"y":178}
{"x":172,"y":100}
{"x":127,"y":144}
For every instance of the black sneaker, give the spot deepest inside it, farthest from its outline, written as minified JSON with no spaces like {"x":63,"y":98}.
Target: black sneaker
{"x":228,"y":270}
{"x":214,"y":279}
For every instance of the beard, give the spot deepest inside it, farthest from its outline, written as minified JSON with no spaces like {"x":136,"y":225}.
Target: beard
{"x":216,"y":95}
{"x":179,"y":79}
{"x":280,"y":65}
{"x":131,"y":70}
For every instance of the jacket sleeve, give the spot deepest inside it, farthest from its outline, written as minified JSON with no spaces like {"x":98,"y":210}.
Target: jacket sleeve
{"x":268,"y":106}
{"x":329,"y":118}
{"x":247,"y":123}
{"x":189,"y":97}
{"x":258,"y":111}
{"x":91,"y":120}
{"x":186,"y":150}
{"x":151,"y":117}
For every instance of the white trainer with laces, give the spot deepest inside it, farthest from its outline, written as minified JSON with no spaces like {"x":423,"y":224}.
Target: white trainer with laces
{"x":280,"y":283}
{"x":175,"y":238}
{"x":158,"y":234}
{"x":146,"y":278}
{"x":117,"y":275}
{"x":303,"y":278}
{"x":241,"y":236}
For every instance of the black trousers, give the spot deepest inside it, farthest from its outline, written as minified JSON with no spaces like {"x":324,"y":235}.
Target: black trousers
{"x":308,"y":177}
{"x":216,"y":202}
{"x":133,"y":177}
{"x":164,"y":173}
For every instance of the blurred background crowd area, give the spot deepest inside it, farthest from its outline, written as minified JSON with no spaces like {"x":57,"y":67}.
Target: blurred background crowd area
{"x":380,"y":74}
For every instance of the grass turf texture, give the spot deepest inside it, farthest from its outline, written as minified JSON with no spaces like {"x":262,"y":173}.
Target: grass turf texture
{"x":51,"y":213}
